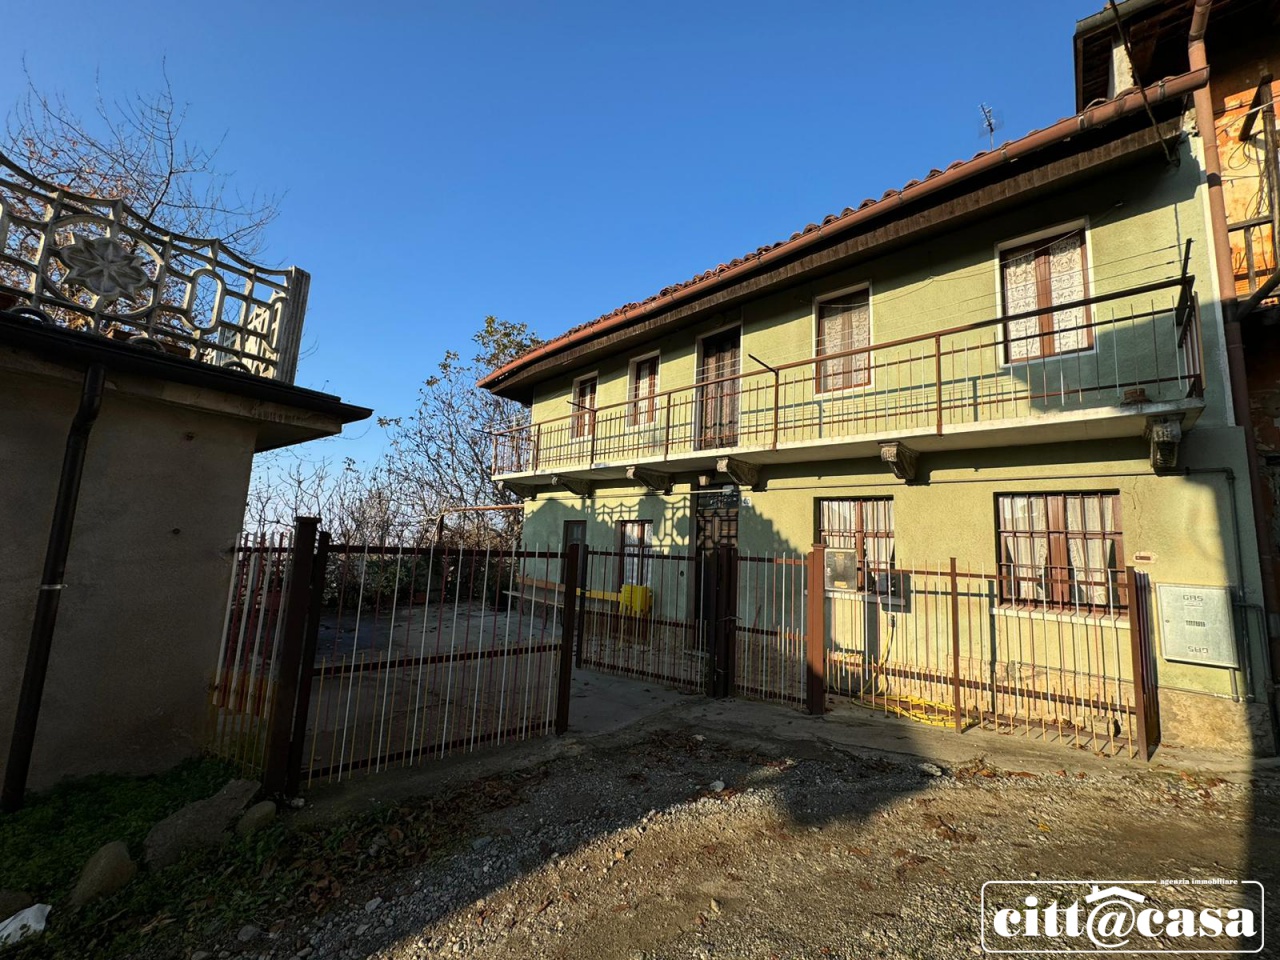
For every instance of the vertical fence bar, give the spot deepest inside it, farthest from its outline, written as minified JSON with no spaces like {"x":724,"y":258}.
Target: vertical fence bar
{"x":955,"y":645}
{"x":816,"y":632}
{"x":571,"y":567}
{"x":289,"y":652}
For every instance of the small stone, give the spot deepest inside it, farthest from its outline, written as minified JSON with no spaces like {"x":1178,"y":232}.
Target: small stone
{"x":11,"y":901}
{"x":715,"y":905}
{"x":373,"y":905}
{"x":247,"y":933}
{"x":479,"y":843}
{"x":360,"y":930}
{"x":255,"y":818}
{"x":929,"y":769}
{"x":201,"y":955}
{"x":717,"y":786}
{"x":108,"y":870}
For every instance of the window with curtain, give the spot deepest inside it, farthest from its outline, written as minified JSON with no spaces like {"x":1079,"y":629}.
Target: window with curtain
{"x":1062,"y":551}
{"x":644,"y":390}
{"x":634,"y":542}
{"x":1038,"y":277}
{"x":844,"y":323}
{"x":864,"y":527}
{"x":584,"y":407}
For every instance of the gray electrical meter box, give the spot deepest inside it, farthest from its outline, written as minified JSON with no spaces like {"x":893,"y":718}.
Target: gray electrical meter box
{"x":1197,"y":625}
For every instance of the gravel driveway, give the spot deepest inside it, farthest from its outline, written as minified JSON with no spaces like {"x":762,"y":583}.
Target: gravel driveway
{"x":682,"y":836}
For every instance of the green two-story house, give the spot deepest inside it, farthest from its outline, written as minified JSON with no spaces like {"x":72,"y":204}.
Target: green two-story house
{"x":1018,"y":361}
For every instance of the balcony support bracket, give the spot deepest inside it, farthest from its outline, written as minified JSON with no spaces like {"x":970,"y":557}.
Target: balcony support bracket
{"x":655,"y":481}
{"x":1165,"y":436}
{"x":740,"y":472}
{"x":576,"y":486}
{"x":525,"y":491}
{"x":902,"y":460}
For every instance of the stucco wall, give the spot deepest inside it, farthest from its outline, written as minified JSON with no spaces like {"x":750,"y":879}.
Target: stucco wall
{"x":147,"y":576}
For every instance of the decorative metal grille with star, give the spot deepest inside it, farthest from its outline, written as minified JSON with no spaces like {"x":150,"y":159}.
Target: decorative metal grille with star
{"x":104,"y":267}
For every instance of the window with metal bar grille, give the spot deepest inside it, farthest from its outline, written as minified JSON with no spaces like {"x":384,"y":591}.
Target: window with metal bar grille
{"x":1062,"y":551}
{"x":863,"y":528}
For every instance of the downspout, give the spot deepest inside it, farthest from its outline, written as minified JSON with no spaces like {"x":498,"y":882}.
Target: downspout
{"x":55,"y":566}
{"x":1203,"y":101}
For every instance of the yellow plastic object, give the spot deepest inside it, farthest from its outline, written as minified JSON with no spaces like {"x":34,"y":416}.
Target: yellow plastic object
{"x":635,"y":599}
{"x":915,"y":708}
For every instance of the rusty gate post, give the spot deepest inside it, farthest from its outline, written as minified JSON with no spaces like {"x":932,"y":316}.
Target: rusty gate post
{"x":580,"y":625}
{"x":570,"y":568}
{"x":302,"y":707}
{"x":726,"y":633}
{"x":284,"y":697}
{"x":1146,"y":704}
{"x":815,"y":641}
{"x":955,"y":645}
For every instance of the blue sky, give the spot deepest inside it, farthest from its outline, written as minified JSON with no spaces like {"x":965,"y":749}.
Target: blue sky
{"x":549,"y":162}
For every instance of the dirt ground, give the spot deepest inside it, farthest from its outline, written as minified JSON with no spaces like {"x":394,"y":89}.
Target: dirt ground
{"x":738,"y":830}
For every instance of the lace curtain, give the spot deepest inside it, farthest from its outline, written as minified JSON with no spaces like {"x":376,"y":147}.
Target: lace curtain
{"x":1025,"y":523}
{"x":1066,"y":281}
{"x":1020,"y":295}
{"x":845,"y":325}
{"x":1063,"y":260}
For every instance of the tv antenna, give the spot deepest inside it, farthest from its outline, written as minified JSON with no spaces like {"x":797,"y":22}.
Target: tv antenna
{"x":991,"y":122}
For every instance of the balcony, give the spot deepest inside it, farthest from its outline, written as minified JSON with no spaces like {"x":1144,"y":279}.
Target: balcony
{"x":96,"y":266}
{"x":1106,"y":368}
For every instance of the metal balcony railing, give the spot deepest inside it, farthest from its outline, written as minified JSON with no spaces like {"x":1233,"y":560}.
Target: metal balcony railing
{"x":96,"y":265}
{"x":994,"y":372}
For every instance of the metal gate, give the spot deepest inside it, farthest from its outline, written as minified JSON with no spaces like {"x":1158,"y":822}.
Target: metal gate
{"x":939,"y":645}
{"x":338,"y":659}
{"x":374,"y":656}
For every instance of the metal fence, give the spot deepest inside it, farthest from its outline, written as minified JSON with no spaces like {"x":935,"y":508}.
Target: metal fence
{"x":770,"y":628}
{"x":247,"y":663}
{"x":644,"y":614}
{"x":938,"y":645}
{"x":339,"y":659}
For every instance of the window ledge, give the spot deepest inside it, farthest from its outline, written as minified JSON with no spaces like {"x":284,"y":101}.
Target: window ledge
{"x":1008,"y":611}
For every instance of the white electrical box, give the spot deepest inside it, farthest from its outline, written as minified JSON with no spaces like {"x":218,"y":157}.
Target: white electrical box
{"x":1196,"y":625}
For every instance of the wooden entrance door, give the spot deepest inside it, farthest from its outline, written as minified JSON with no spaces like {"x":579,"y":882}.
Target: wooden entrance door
{"x":718,"y":396}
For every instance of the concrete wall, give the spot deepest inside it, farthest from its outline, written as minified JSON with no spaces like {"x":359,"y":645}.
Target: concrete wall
{"x":147,"y":577}
{"x":1189,"y":529}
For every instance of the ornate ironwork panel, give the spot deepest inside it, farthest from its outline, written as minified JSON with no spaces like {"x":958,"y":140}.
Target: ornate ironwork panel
{"x":97,"y":265}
